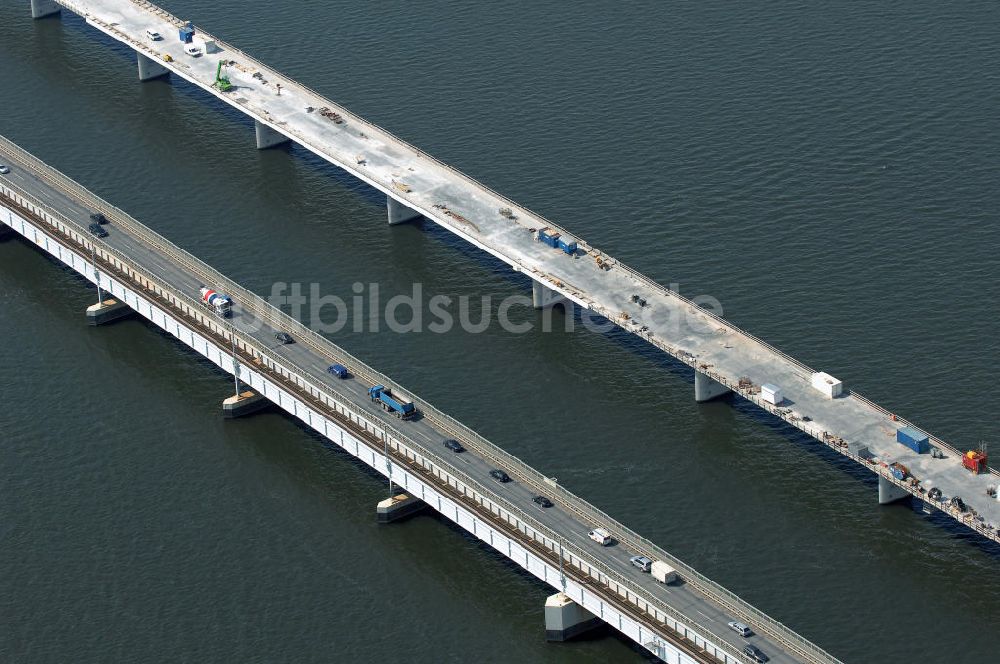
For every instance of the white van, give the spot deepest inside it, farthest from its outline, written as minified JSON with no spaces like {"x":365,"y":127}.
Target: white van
{"x":192,"y":50}
{"x":601,"y":536}
{"x":153,"y":35}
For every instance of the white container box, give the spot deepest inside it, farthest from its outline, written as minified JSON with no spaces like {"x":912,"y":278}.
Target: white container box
{"x":663,"y":572}
{"x":827,"y":384}
{"x":206,"y":45}
{"x":771,"y":394}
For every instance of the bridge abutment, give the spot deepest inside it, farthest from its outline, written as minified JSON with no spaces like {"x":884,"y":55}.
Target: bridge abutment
{"x":398,"y":507}
{"x":889,"y":492}
{"x":244,"y":403}
{"x":107,"y":311}
{"x":399,"y":213}
{"x":543,"y":297}
{"x":43,"y":8}
{"x":565,"y":619}
{"x":707,"y":388}
{"x":149,"y":68}
{"x":268,"y":137}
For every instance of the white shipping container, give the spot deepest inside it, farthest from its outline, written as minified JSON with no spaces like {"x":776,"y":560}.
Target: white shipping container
{"x":663,"y":572}
{"x":771,"y":394}
{"x":827,"y":384}
{"x":206,"y":45}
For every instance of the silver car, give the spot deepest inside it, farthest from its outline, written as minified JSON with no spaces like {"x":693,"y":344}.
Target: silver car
{"x":4,"y":170}
{"x":740,"y":628}
{"x":642,"y":562}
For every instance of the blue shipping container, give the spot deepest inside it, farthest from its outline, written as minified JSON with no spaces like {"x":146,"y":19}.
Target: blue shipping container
{"x":567,"y":244}
{"x":915,"y":439}
{"x":549,"y":237}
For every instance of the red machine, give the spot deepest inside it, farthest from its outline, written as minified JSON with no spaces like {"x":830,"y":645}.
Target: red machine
{"x":975,"y":461}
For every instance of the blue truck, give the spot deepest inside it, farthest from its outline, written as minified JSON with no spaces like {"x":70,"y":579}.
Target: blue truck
{"x":397,"y":404}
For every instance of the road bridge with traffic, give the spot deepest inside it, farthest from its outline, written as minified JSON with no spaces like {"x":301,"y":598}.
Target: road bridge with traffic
{"x":138,"y":271}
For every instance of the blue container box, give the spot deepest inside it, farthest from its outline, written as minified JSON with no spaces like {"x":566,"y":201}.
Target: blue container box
{"x":549,"y":237}
{"x":186,"y":33}
{"x":567,"y":244}
{"x":915,"y":439}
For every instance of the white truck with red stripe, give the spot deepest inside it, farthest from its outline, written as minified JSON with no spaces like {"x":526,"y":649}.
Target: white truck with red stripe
{"x":221,"y":304}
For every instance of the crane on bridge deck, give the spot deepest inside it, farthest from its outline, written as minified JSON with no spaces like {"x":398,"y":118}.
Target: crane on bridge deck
{"x":222,"y":82}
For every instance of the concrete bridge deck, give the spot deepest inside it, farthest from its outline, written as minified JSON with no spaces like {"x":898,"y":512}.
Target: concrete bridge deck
{"x":418,"y":185}
{"x":146,"y":271}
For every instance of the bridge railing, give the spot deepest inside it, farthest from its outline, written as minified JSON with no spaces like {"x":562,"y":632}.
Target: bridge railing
{"x":278,"y":319}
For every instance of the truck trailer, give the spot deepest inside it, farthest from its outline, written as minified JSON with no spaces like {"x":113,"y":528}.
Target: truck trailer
{"x":398,"y":404}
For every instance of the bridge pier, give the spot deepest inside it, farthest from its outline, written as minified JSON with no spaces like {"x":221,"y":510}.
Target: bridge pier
{"x":399,"y":213}
{"x":43,"y":8}
{"x":543,"y":297}
{"x":107,"y":311}
{"x":243,"y":403}
{"x":565,"y":619}
{"x":268,"y":137}
{"x":889,"y":492}
{"x":398,"y":507}
{"x":707,"y":388}
{"x":149,"y":68}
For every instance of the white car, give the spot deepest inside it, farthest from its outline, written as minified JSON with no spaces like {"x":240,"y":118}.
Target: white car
{"x":740,"y":628}
{"x":4,"y":170}
{"x":601,"y":536}
{"x":192,"y":50}
{"x":153,"y":35}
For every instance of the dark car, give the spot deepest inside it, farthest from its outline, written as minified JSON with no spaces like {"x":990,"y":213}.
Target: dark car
{"x":754,"y":653}
{"x":454,"y":445}
{"x":98,"y":218}
{"x":500,"y":476}
{"x":95,"y":229}
{"x":542,"y":501}
{"x":284,"y":337}
{"x":338,"y":370}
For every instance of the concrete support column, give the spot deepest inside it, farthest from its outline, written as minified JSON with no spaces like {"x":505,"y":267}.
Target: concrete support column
{"x":267,"y":137}
{"x":707,"y":388}
{"x":542,"y":296}
{"x":149,"y":68}
{"x":243,"y":403}
{"x":107,"y":311}
{"x":398,"y":507}
{"x":399,"y":213}
{"x":565,"y":619}
{"x":42,"y":8}
{"x":889,"y":492}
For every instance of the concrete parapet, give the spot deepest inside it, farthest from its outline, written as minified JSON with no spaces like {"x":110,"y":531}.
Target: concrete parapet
{"x":399,"y":213}
{"x":243,"y":403}
{"x":565,"y":619}
{"x":267,"y":137}
{"x":889,"y":492}
{"x":149,"y":68}
{"x":107,"y":311}
{"x":398,"y":507}
{"x":542,"y":296}
{"x":707,"y":388}
{"x":43,"y":8}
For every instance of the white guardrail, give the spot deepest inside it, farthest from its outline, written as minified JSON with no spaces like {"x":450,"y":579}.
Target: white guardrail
{"x":277,"y":319}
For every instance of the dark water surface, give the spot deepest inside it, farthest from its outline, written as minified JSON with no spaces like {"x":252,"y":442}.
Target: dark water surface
{"x":829,"y":173}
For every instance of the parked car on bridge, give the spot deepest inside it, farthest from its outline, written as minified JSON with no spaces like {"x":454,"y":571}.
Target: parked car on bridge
{"x":98,"y":218}
{"x":500,"y":476}
{"x":193,"y":51}
{"x":96,"y":229}
{"x":284,"y":337}
{"x":454,"y":446}
{"x":153,"y":35}
{"x":754,"y":653}
{"x":642,"y":562}
{"x":542,"y":501}
{"x":4,"y":169}
{"x":740,"y":628}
